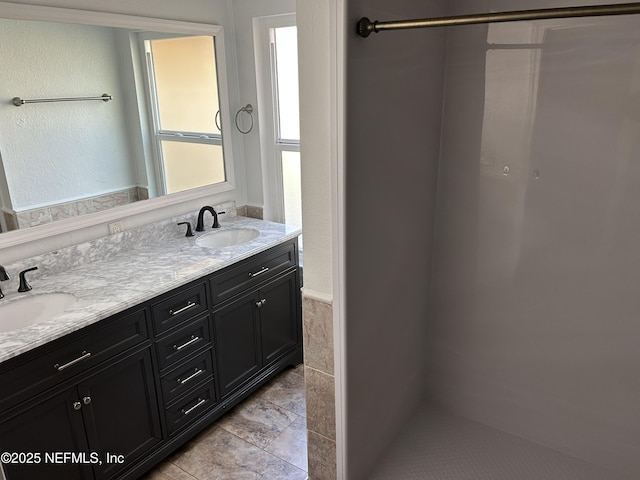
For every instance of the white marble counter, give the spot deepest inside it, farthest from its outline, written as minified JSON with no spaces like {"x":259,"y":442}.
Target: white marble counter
{"x":128,"y":278}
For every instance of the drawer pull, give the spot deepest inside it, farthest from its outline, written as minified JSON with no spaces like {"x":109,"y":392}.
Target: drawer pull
{"x":201,"y":401}
{"x":259,"y":272}
{"x":84,"y":356}
{"x":183,"y":309}
{"x":190,"y":377}
{"x":194,"y":339}
{"x":77,"y":406}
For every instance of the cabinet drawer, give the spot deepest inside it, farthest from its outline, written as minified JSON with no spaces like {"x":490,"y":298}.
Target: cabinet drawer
{"x":251,"y":272}
{"x":70,"y":355}
{"x":188,"y":410}
{"x":187,"y":376}
{"x":179,"y":308}
{"x":194,"y":336}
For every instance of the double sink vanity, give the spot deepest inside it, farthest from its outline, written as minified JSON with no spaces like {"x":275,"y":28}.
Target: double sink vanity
{"x":112,"y":365}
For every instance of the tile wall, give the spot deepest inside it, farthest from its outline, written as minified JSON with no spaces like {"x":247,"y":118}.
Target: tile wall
{"x":51,"y":213}
{"x":320,"y":388}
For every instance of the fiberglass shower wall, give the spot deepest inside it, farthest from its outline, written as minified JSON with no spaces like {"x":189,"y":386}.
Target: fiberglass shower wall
{"x":535,"y":305}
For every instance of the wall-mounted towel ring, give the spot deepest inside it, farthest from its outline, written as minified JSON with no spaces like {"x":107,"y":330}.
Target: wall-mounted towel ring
{"x":248,"y":108}
{"x":217,"y":120}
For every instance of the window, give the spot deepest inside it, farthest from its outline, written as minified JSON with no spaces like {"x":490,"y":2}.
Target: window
{"x":284,"y":63}
{"x":183,"y":90}
{"x":277,"y":71}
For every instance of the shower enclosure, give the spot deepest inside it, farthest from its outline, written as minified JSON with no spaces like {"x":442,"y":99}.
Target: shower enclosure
{"x":492,"y":246}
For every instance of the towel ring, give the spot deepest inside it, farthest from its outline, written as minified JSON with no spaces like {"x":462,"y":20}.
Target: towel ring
{"x":217,"y":120}
{"x":248,"y":108}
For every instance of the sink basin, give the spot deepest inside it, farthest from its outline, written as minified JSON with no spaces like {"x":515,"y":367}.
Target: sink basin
{"x":227,"y":238}
{"x":29,"y":310}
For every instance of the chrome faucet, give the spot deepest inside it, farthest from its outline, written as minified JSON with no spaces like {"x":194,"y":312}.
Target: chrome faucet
{"x":200,"y":224}
{"x":3,"y":276}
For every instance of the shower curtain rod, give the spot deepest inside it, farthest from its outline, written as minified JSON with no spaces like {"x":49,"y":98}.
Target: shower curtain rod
{"x":366,"y":26}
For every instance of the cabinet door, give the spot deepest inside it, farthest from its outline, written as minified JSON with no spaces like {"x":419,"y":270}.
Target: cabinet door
{"x":121,"y":412}
{"x":236,"y":342}
{"x":44,"y":427}
{"x":279,"y":317}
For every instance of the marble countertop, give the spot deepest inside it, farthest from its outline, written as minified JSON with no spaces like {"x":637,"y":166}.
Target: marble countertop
{"x":106,"y":287}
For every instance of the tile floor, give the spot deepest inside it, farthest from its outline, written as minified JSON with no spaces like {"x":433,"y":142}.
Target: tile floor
{"x":264,"y":437}
{"x":439,"y":446}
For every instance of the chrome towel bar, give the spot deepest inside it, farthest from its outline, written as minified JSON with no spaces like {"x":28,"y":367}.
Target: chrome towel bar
{"x":17,"y":101}
{"x":365,"y":26}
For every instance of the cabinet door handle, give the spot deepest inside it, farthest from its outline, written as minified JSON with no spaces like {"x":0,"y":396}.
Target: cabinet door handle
{"x":260,"y":303}
{"x":77,"y":405}
{"x":84,"y":356}
{"x":194,"y":339}
{"x":183,"y":309}
{"x":259,"y":272}
{"x":190,"y":377}
{"x":201,"y":401}
{"x":86,"y":400}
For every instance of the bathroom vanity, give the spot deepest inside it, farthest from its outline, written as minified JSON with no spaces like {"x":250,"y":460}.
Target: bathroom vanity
{"x":117,"y":395}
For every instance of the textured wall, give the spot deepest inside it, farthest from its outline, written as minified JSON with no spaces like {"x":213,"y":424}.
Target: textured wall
{"x":62,"y":151}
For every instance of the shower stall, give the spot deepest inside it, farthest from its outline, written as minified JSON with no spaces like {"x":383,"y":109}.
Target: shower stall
{"x":492,"y":245}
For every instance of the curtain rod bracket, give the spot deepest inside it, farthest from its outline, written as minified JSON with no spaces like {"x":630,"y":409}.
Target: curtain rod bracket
{"x":365,"y":27}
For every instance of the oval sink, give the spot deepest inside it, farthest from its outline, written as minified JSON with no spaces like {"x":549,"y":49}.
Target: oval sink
{"x":29,"y":310}
{"x":227,"y":238}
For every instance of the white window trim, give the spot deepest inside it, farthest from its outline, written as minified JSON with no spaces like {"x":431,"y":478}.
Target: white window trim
{"x":270,"y":148}
{"x":156,"y":133}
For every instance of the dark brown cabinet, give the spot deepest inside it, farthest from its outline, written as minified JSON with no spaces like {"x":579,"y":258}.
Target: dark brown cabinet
{"x":237,"y":341}
{"x":113,"y":411}
{"x":120,"y":395}
{"x":279,"y":310}
{"x":255,"y":329}
{"x":45,"y":425}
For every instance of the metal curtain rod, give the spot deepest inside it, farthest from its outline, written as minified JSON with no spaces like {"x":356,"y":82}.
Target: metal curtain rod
{"x":366,"y":26}
{"x":17,"y":101}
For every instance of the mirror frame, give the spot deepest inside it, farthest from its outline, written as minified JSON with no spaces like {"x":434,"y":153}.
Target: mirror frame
{"x":64,"y":15}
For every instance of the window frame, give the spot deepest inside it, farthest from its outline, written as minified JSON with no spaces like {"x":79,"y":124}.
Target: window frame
{"x":157,"y":135}
{"x":271,"y":145}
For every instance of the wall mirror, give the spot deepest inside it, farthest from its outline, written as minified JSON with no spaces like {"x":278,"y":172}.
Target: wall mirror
{"x":70,"y":157}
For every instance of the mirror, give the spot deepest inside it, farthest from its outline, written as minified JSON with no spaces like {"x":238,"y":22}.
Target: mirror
{"x":66,"y":151}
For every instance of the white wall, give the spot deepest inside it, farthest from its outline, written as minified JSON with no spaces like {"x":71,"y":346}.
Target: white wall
{"x":535,"y":307}
{"x":61,"y":152}
{"x":316,"y":143}
{"x":244,"y":11}
{"x":393,"y":100}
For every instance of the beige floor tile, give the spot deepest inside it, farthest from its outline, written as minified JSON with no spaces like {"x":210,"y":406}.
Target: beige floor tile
{"x":257,"y":421}
{"x":291,"y":444}
{"x":220,"y":455}
{"x":167,"y":471}
{"x":287,"y":391}
{"x":299,"y":370}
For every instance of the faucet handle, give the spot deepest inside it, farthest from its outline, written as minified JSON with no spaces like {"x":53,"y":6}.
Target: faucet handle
{"x":3,"y":276}
{"x":24,"y":285}
{"x":189,"y":231}
{"x":215,"y":220}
